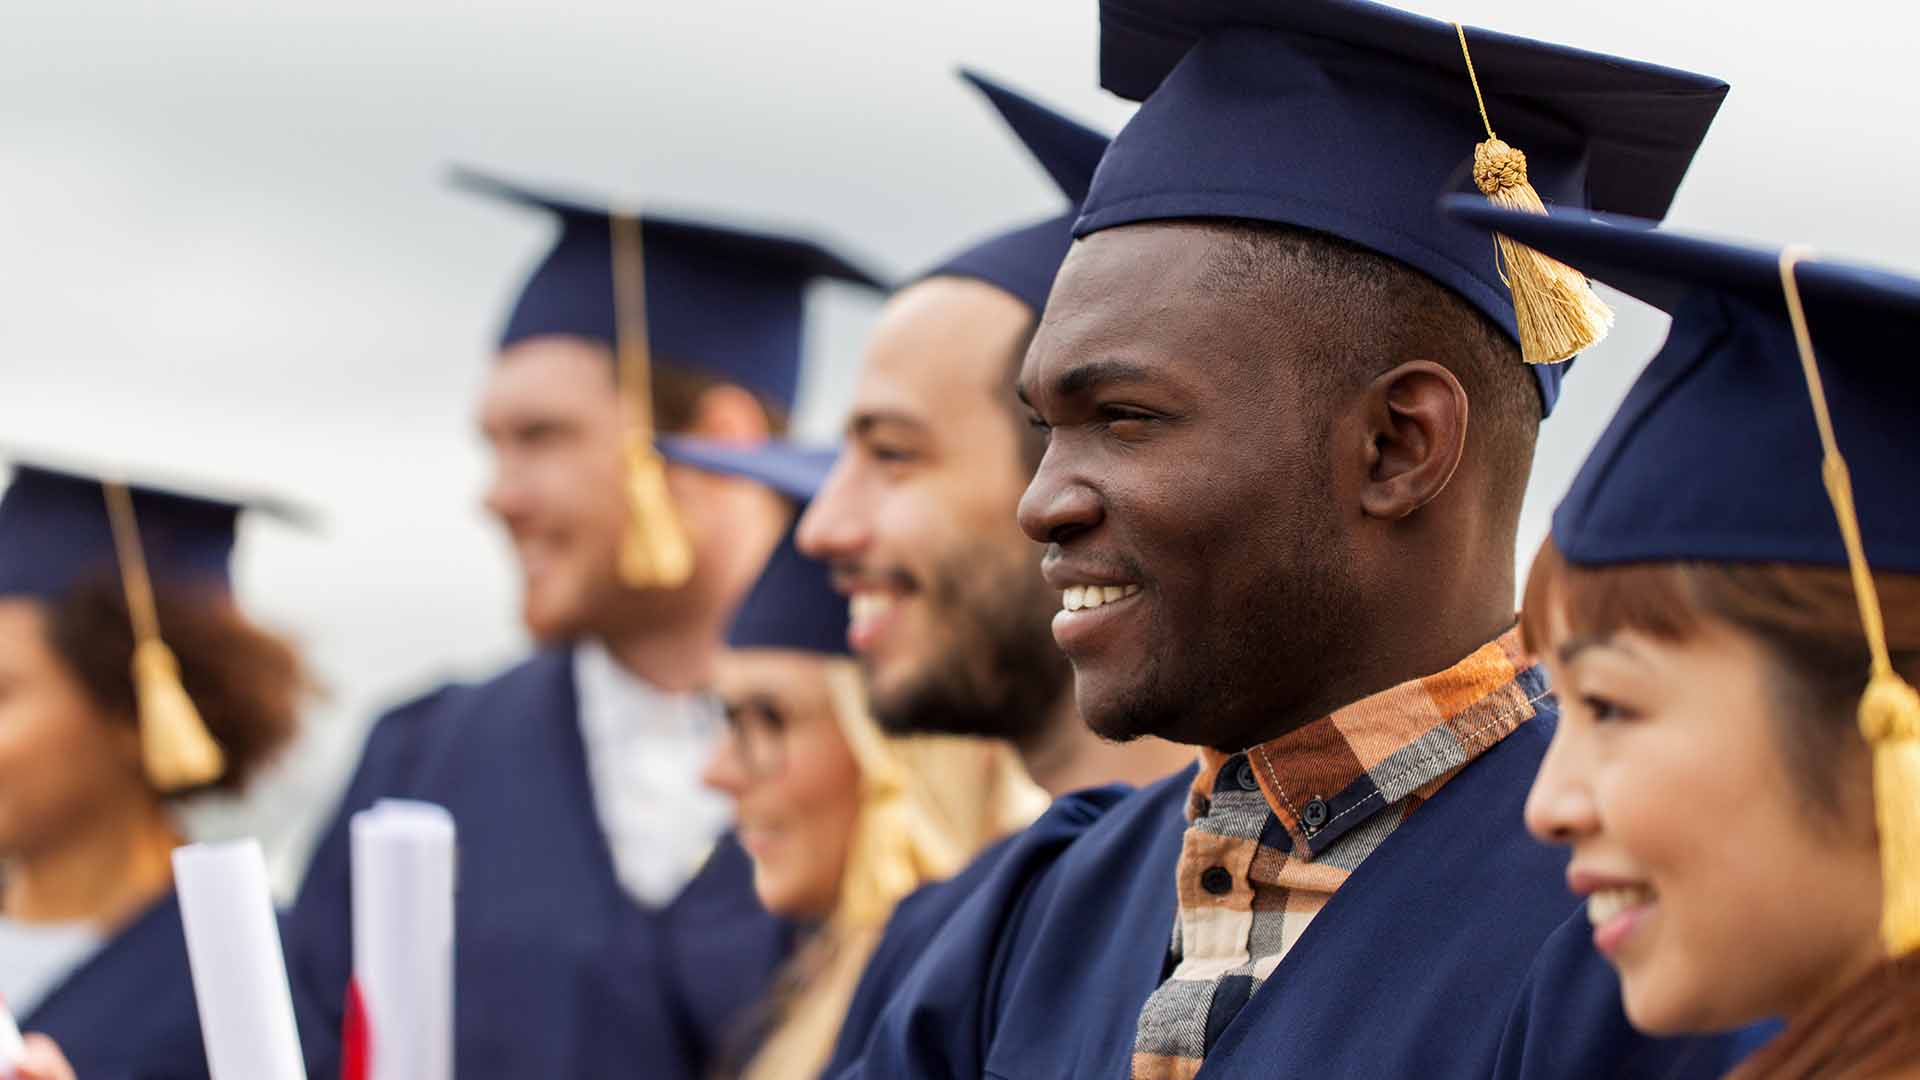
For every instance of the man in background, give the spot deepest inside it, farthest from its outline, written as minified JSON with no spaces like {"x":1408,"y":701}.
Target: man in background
{"x":605,"y":921}
{"x":950,"y":616}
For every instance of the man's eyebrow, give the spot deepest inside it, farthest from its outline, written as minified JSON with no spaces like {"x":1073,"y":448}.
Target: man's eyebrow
{"x":863,"y":422}
{"x":1081,"y":378}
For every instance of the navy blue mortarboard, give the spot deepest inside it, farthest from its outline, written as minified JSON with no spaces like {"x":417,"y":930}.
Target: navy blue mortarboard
{"x":793,"y":604}
{"x":720,"y":300}
{"x":1714,"y":454}
{"x":1351,"y":118}
{"x":62,"y":528}
{"x":55,"y":533}
{"x":1023,"y":260}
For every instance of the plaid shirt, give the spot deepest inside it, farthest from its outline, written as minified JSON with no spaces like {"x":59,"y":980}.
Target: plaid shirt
{"x":1273,"y":831}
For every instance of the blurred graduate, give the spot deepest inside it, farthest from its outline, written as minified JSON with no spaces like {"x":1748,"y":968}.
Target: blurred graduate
{"x":604,"y":919}
{"x":129,"y":680}
{"x":1730,"y":607}
{"x":840,"y":819}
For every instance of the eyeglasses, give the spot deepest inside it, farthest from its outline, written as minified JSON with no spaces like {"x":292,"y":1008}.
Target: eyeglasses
{"x":759,"y":731}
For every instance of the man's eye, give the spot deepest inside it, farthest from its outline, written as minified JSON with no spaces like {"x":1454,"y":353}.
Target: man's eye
{"x":891,"y":455}
{"x":1124,"y":421}
{"x":1037,"y":424}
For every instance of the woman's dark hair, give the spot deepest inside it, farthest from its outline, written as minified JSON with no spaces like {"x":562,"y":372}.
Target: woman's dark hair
{"x":246,"y":682}
{"x":1805,"y":617}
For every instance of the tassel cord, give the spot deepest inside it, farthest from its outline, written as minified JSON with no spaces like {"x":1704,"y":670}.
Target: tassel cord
{"x":1833,"y":468}
{"x":630,"y":320}
{"x":133,"y":564}
{"x":1475,"y":80}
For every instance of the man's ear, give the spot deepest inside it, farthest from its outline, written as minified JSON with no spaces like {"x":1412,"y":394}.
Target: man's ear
{"x":1416,"y":416}
{"x":724,"y":412}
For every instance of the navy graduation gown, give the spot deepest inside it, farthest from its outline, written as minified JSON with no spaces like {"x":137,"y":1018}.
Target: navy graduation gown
{"x":918,"y":919}
{"x":558,"y":972}
{"x":1443,"y":955}
{"x":128,"y":1012}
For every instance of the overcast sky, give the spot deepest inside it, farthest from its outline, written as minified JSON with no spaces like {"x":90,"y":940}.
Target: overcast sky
{"x":226,"y":246}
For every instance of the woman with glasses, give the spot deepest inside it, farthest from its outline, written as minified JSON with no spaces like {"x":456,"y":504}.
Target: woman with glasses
{"x":1732,"y":624}
{"x":841,"y":820}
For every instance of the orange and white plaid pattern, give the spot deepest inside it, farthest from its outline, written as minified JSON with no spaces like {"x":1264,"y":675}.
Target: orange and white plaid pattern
{"x":1273,"y":831}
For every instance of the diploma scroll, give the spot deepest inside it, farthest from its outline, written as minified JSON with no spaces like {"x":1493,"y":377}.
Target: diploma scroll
{"x":239,"y":972}
{"x":12,"y":1047}
{"x":403,"y":882}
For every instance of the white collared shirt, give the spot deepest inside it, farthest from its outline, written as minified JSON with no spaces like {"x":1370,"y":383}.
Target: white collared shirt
{"x":645,"y":751}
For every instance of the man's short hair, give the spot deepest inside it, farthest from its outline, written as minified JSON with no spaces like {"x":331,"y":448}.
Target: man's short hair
{"x":1370,"y":313}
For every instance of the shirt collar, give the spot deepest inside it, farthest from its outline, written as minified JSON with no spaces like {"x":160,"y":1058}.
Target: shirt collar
{"x":620,"y":707}
{"x":1327,"y":776}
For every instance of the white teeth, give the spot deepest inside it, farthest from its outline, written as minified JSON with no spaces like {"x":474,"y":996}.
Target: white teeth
{"x":1604,"y":904}
{"x":1084,"y":597}
{"x":866,"y":606}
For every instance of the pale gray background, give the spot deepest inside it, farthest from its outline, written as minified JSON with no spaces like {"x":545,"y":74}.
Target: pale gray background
{"x":225,"y":246}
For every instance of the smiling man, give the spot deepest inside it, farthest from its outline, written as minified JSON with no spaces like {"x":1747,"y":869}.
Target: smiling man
{"x":1289,"y":431}
{"x":604,"y":921}
{"x":949,"y":612}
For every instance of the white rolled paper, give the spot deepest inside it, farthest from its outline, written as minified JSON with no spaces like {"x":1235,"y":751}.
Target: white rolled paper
{"x":403,"y":881}
{"x":239,"y":972}
{"x":12,"y":1047}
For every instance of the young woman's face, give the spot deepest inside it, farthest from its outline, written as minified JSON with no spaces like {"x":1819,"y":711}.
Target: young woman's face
{"x":62,"y":763}
{"x":792,"y":777}
{"x":1720,"y":893}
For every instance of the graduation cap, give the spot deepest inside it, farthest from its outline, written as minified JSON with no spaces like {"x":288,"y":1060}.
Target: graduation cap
{"x":793,"y":604}
{"x":1023,"y":260}
{"x":62,"y":528}
{"x":1729,"y":448}
{"x":1350,"y":118}
{"x":720,"y":300}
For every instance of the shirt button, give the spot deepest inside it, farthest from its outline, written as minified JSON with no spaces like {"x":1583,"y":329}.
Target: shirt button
{"x":1245,"y":777}
{"x":1217,"y":880}
{"x":1314,"y":815}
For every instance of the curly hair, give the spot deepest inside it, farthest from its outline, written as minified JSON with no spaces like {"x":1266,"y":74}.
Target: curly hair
{"x":246,"y":682}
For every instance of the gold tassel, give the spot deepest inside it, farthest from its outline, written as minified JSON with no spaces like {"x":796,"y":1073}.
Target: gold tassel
{"x":176,"y":749}
{"x":1890,"y":719}
{"x":1555,"y":309}
{"x":655,"y":552}
{"x":1889,"y":711}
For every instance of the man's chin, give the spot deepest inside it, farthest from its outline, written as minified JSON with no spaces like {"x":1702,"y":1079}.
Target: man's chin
{"x":550,"y":621}
{"x":1124,"y":713}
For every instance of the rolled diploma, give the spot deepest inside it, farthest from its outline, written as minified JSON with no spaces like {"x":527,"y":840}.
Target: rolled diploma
{"x":403,"y":881}
{"x":239,"y":973}
{"x":12,"y":1047}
